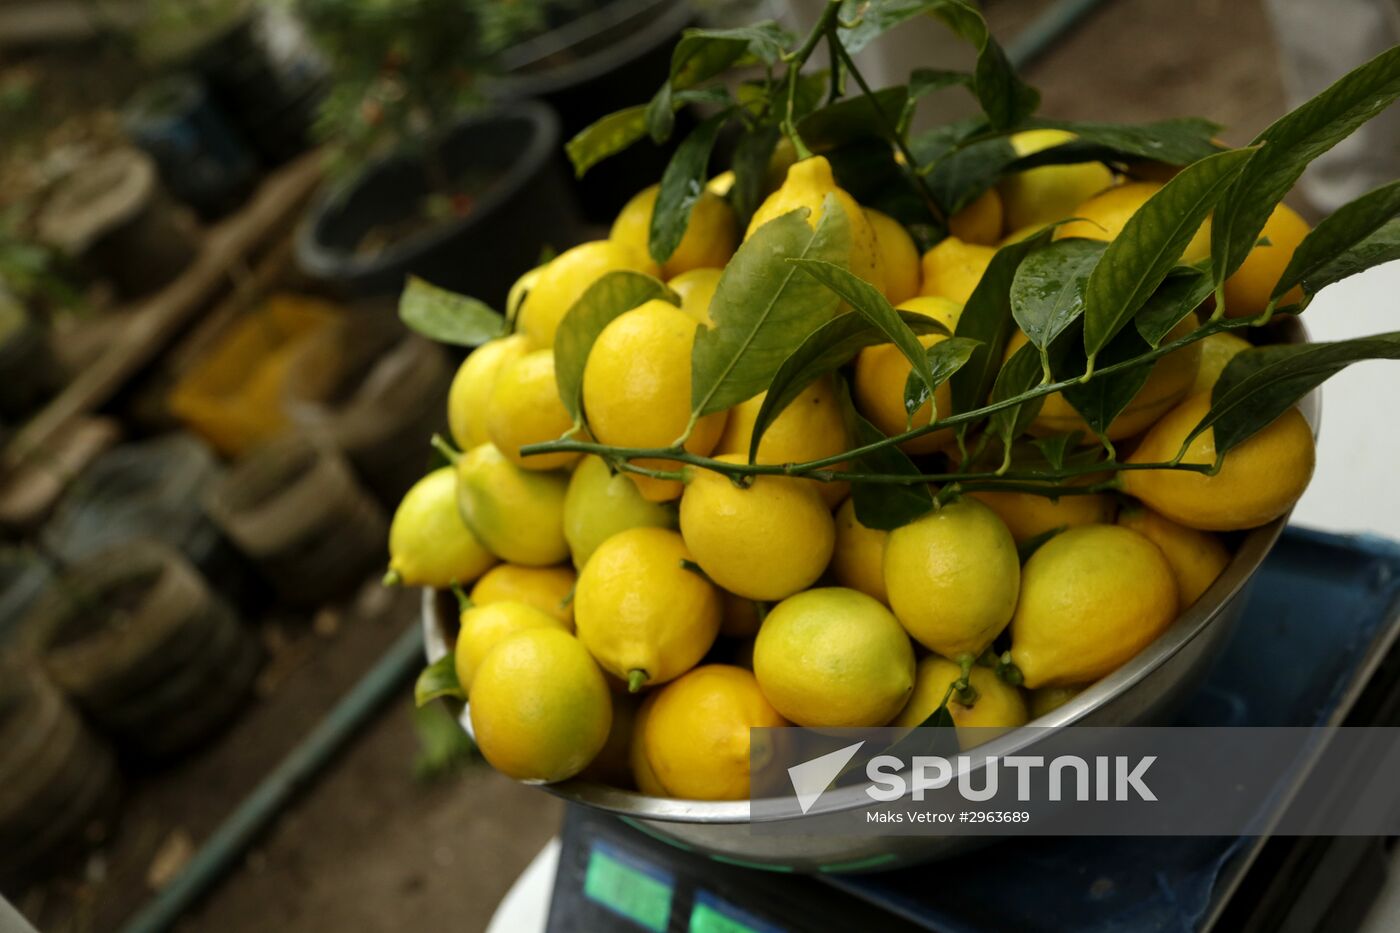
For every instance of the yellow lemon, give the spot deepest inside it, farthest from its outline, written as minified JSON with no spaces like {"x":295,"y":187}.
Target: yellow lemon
{"x":1217,"y":351}
{"x":516,"y":296}
{"x":429,"y":544}
{"x":1027,"y":515}
{"x":567,"y":277}
{"x":899,"y":257}
{"x":834,"y":657}
{"x":470,"y":392}
{"x":697,"y":733}
{"x":636,"y":390}
{"x":696,"y":289}
{"x":1021,"y":233}
{"x":525,"y":409}
{"x":807,"y":184}
{"x":540,"y":707}
{"x":710,"y":237}
{"x":518,"y":514}
{"x":882,"y":370}
{"x":997,"y":708}
{"x":953,"y":268}
{"x":1167,"y":384}
{"x":1259,"y":480}
{"x":485,"y":627}
{"x":858,"y":561}
{"x":643,"y":614}
{"x":811,"y":427}
{"x":1248,"y":288}
{"x":952,"y":577}
{"x":1106,"y":213}
{"x":1043,"y":195}
{"x":601,"y":503}
{"x":548,"y":589}
{"x":766,"y":541}
{"x":980,"y":221}
{"x":1091,"y":598}
{"x":1048,"y":699}
{"x":613,"y":766}
{"x":1196,"y":557}
{"x":739,"y":617}
{"x":721,"y":183}
{"x":642,"y":774}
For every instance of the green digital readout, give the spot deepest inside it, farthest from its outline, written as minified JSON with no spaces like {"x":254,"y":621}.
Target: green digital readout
{"x":625,"y":886}
{"x":715,"y":915}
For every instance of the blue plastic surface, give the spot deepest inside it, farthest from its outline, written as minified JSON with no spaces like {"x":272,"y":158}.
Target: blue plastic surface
{"x":1317,"y":604}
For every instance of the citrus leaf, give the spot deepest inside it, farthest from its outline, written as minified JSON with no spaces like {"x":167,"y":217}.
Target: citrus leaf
{"x":886,"y":506}
{"x":870,"y":304}
{"x":1054,"y":447}
{"x":610,"y":296}
{"x":927,"y":80}
{"x":1260,"y":384}
{"x":1104,"y":398}
{"x":1181,"y":292}
{"x":962,"y":175}
{"x":1293,"y":141}
{"x":826,"y":349}
{"x":448,"y":317}
{"x":438,"y":679}
{"x":986,"y":318}
{"x":1350,"y":225}
{"x":605,"y":137}
{"x":853,"y":118}
{"x":1175,"y":142}
{"x":764,"y":307}
{"x":750,"y":164}
{"x":1021,"y":373}
{"x":703,"y":53}
{"x":1151,"y":242}
{"x":681,"y":186}
{"x":1381,"y":246}
{"x":1047,"y":292}
{"x":1005,"y":98}
{"x":944,"y":358}
{"x":871,"y":18}
{"x":661,"y":114}
{"x":931,"y":145}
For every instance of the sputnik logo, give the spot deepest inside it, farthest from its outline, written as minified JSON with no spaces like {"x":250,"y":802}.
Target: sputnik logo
{"x":811,"y":778}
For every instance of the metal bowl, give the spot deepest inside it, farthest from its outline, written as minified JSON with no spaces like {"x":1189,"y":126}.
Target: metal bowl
{"x":1144,"y":691}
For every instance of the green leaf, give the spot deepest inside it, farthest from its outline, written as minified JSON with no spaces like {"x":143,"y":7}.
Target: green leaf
{"x":853,"y":118}
{"x":703,"y":53}
{"x":1260,"y":384}
{"x":870,"y":304}
{"x":764,"y":308}
{"x":927,"y":80}
{"x":1151,"y":242}
{"x":661,"y":115}
{"x":1336,"y":235}
{"x":611,"y":295}
{"x":1047,"y":292}
{"x":1381,"y":246}
{"x":1289,"y":145}
{"x":448,"y":317}
{"x":1005,"y":98}
{"x":1021,"y":373}
{"x":750,"y":164}
{"x":987,"y":318}
{"x":944,"y":358}
{"x":605,"y":137}
{"x":1104,"y":398}
{"x":826,"y":349}
{"x":1174,"y":142}
{"x":886,"y":506}
{"x":962,"y":175}
{"x":681,"y":186}
{"x":931,"y":145}
{"x":438,"y":679}
{"x":1054,"y":447}
{"x":871,"y":18}
{"x":1181,"y":292}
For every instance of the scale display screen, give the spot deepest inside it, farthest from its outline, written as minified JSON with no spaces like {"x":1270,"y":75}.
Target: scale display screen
{"x":713,"y":914}
{"x":638,"y":890}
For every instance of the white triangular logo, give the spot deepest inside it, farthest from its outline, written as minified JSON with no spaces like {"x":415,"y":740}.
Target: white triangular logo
{"x":811,"y":778}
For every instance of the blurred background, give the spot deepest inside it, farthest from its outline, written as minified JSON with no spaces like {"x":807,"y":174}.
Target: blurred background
{"x":208,"y":406}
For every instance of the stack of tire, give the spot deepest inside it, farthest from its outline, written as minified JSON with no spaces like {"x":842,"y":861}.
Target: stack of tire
{"x":58,"y":781}
{"x":135,"y":638}
{"x":295,"y":508}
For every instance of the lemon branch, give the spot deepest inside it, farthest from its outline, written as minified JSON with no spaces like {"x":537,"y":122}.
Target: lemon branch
{"x":824,"y":26}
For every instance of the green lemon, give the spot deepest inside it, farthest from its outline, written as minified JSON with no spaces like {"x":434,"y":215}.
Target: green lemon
{"x":600,"y":503}
{"x":518,"y":514}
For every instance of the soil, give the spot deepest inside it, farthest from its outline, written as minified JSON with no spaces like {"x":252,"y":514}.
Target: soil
{"x":371,"y":848}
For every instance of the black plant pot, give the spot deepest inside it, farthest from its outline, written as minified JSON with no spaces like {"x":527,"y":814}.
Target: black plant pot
{"x":616,"y":54}
{"x":527,"y":206}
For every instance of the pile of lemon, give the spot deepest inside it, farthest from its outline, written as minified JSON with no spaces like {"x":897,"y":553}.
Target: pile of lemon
{"x":632,"y":628}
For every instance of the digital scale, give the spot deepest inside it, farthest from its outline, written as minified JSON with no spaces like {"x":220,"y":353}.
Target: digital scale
{"x":1317,"y":645}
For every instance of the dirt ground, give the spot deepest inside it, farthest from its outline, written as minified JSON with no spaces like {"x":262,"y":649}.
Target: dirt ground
{"x":371,"y":848}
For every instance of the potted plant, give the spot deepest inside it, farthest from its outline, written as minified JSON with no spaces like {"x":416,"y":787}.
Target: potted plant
{"x":462,"y":204}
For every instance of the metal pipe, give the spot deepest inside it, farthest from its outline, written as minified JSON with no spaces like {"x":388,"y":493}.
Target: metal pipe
{"x":1046,"y":29}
